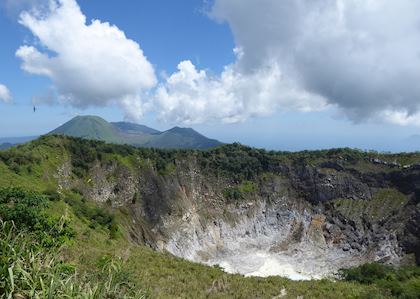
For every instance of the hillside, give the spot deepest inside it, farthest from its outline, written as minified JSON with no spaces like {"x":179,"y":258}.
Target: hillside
{"x":96,"y":128}
{"x":128,"y":128}
{"x":181,"y":138}
{"x":156,"y":213}
{"x":89,"y":127}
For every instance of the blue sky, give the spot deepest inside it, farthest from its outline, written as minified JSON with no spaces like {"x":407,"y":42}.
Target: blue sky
{"x":317,"y":99}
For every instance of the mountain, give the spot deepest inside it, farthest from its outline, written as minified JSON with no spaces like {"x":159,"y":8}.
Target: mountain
{"x":6,"y":145}
{"x":127,"y":127}
{"x":17,"y":140}
{"x":96,"y":128}
{"x":89,"y":127}
{"x":8,"y":142}
{"x":181,"y":138}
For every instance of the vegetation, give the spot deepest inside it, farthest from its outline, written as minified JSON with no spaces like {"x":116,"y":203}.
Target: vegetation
{"x":28,"y":270}
{"x":94,"y":214}
{"x":96,"y":128}
{"x":240,"y":191}
{"x":60,"y":245}
{"x":380,"y":207}
{"x":86,"y":263}
{"x":18,"y":160}
{"x":401,"y":282}
{"x":30,"y":261}
{"x":27,"y":210}
{"x":235,"y":161}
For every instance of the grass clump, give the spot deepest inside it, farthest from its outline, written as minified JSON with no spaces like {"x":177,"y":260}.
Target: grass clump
{"x":29,"y":270}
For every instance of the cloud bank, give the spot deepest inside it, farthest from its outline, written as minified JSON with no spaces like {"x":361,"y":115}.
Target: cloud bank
{"x":362,"y":56}
{"x":192,"y":96}
{"x":90,"y":64}
{"x":5,"y":95}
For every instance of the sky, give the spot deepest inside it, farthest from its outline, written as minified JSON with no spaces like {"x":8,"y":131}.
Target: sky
{"x":283,"y":75}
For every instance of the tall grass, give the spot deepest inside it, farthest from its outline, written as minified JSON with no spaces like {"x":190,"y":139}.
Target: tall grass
{"x":28,"y":270}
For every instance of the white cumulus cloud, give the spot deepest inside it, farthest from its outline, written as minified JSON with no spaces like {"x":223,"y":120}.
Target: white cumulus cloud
{"x":5,"y":95}
{"x":362,"y":56}
{"x":192,"y":96}
{"x":90,"y":64}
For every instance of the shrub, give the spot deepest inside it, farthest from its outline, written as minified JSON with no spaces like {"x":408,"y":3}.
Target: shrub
{"x":96,"y":215}
{"x":52,"y":194}
{"x":232,"y":194}
{"x":403,"y":282}
{"x":367,"y":273}
{"x":238,"y":192}
{"x":28,"y":211}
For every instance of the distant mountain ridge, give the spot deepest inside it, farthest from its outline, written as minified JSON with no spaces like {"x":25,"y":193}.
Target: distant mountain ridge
{"x":94,"y":127}
{"x":134,"y":128}
{"x":8,"y":142}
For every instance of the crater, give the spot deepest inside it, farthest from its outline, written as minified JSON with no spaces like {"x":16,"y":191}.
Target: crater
{"x":266,"y":241}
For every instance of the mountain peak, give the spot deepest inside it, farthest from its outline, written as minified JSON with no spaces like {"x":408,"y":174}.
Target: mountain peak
{"x":180,"y":130}
{"x":95,"y":127}
{"x":133,"y":128}
{"x":93,"y":118}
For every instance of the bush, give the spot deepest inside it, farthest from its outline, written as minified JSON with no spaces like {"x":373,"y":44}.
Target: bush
{"x":52,"y":194}
{"x":401,"y":282}
{"x":27,"y":210}
{"x":232,"y":194}
{"x":238,"y":192}
{"x":367,"y":273}
{"x":96,"y":215}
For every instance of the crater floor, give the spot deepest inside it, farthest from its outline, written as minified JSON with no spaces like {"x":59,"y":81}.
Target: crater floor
{"x":295,"y":264}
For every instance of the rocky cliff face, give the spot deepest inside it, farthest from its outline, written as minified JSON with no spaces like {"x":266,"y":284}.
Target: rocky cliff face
{"x":299,"y":219}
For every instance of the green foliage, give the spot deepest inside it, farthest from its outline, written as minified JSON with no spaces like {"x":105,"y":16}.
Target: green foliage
{"x":83,"y":154}
{"x":17,"y":158}
{"x":232,"y":194}
{"x":384,"y":202}
{"x":96,"y":215}
{"x":52,"y":194}
{"x":367,"y":273}
{"x":28,"y":211}
{"x":240,"y":191}
{"x":237,"y":161}
{"x":164,"y":275}
{"x":247,"y":187}
{"x":234,"y":161}
{"x":114,"y":230}
{"x":28,"y":270}
{"x":401,"y":282}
